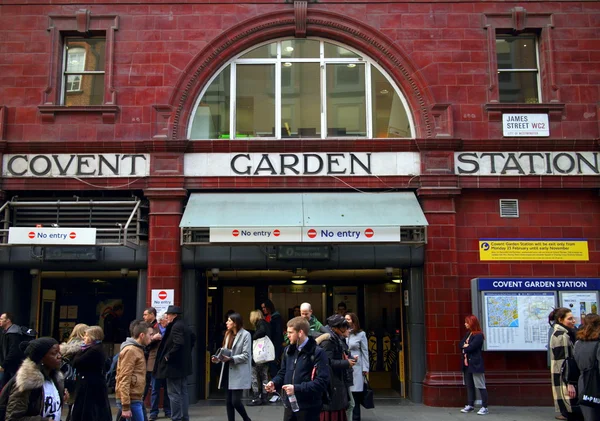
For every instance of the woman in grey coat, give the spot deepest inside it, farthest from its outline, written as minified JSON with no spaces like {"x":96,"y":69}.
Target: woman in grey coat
{"x":358,"y":346}
{"x":236,"y":371}
{"x":586,"y":352}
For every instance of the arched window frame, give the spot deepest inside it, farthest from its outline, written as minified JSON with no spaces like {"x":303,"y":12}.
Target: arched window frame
{"x":367,"y":61}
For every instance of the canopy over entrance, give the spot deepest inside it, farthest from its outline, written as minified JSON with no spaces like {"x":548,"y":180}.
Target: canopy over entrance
{"x":303,"y":218}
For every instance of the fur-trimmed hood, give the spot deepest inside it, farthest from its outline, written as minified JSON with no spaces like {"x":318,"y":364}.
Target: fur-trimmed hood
{"x":322,"y":338}
{"x":30,"y":377}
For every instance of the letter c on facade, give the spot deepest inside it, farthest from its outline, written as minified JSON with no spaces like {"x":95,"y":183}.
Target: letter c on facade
{"x":11,"y":162}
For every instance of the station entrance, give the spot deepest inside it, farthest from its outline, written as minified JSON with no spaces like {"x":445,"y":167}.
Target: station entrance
{"x":375,"y":296}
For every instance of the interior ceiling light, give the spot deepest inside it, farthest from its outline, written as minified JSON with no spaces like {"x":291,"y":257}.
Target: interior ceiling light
{"x":289,"y":49}
{"x":299,"y":281}
{"x":287,"y":64}
{"x":384,"y":92}
{"x":352,"y":65}
{"x":397,"y":280}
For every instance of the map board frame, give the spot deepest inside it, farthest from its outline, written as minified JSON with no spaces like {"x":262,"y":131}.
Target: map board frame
{"x":543,"y":331}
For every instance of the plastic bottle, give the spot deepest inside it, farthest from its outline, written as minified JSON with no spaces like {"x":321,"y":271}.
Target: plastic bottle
{"x":293,"y":403}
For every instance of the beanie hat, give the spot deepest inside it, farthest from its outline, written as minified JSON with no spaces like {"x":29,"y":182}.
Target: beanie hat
{"x":36,"y":350}
{"x":337,"y":321}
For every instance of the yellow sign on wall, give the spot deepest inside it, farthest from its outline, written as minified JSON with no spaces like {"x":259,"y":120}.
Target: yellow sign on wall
{"x":533,"y":250}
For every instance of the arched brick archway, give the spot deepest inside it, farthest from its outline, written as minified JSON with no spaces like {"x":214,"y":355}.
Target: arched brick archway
{"x":319,"y":23}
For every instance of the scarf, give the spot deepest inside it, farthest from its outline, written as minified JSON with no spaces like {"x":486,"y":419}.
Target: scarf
{"x":85,"y":346}
{"x":228,"y":341}
{"x":571,"y":332}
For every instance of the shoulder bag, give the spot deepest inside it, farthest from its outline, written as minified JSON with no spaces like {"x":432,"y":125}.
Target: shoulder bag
{"x":368,"y":398}
{"x":263,"y":350}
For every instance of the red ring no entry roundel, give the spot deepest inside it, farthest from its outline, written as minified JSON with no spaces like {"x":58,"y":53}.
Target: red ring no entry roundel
{"x":235,"y":233}
{"x":311,"y":233}
{"x":369,"y":233}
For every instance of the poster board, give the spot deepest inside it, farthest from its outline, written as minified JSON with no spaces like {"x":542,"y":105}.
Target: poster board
{"x":516,"y":320}
{"x":580,"y":303}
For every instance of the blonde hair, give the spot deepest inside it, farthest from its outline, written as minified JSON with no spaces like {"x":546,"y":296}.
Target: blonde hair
{"x":255,"y":316}
{"x":95,"y":332}
{"x":78,"y":332}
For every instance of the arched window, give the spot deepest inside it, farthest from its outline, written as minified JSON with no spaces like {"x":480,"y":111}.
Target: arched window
{"x":300,"y":88}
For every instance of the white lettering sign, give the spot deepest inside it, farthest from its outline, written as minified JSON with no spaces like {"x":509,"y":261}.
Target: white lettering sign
{"x":527,"y":163}
{"x":76,"y":165}
{"x":52,"y":236}
{"x":255,"y":235}
{"x":301,"y":164}
{"x":162,"y":299}
{"x":525,"y":125}
{"x":350,"y":234}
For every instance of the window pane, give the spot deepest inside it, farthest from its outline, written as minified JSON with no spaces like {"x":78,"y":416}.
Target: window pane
{"x":516,"y":53}
{"x":91,"y":51}
{"x":87,"y":90}
{"x":346,"y":111}
{"x":389,"y":115}
{"x":518,"y":87}
{"x":300,"y":48}
{"x":333,"y":51}
{"x":212,"y":116}
{"x":266,"y":51}
{"x":300,"y":100}
{"x":255,"y":96}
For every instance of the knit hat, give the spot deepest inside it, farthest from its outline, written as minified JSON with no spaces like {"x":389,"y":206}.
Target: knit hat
{"x":36,"y":350}
{"x":337,"y":321}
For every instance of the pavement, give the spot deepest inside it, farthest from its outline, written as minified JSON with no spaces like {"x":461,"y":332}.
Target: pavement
{"x":400,"y":410}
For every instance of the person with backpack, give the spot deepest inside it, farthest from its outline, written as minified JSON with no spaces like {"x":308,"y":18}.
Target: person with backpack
{"x":91,"y":393}
{"x":36,"y":392}
{"x":10,"y":354}
{"x":304,"y":373}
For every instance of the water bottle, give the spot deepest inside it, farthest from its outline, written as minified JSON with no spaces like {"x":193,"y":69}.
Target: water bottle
{"x":293,"y":403}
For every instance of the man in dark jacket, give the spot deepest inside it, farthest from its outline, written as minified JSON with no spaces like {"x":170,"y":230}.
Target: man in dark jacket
{"x":11,"y":356}
{"x":273,"y":317}
{"x":304,"y":373}
{"x":174,"y":362}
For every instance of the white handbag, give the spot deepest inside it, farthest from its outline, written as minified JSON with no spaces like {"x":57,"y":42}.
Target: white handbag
{"x":263,"y":350}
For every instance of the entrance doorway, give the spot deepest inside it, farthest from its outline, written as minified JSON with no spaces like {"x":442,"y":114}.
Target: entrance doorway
{"x":371,"y":294}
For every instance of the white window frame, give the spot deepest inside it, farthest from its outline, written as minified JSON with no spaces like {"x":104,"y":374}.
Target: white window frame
{"x":66,"y":74}
{"x":277,"y":62}
{"x":535,"y":40}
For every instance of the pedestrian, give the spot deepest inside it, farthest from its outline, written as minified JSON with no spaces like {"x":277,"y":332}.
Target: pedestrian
{"x":341,"y":308}
{"x":73,"y":344}
{"x":296,"y":311}
{"x":561,"y":345}
{"x":587,"y":352}
{"x":157,"y":384}
{"x":358,"y":346}
{"x":91,"y":393}
{"x":333,"y":341}
{"x":174,"y":362}
{"x":304,"y":373}
{"x":306,"y":311}
{"x":11,"y":355}
{"x":260,"y":372}
{"x":473,"y":370}
{"x":236,"y":370}
{"x":549,"y":361}
{"x":131,"y":372}
{"x":37,"y":391}
{"x":273,"y":317}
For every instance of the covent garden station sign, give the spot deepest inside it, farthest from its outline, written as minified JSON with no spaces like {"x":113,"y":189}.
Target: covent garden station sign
{"x":302,"y":164}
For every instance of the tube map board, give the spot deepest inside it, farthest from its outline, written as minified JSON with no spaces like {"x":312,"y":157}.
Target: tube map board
{"x":517,"y":321}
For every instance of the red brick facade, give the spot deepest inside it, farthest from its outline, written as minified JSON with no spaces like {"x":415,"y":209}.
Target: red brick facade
{"x":440,"y":56}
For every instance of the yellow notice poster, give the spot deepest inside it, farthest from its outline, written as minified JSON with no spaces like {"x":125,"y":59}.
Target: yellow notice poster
{"x":504,"y":249}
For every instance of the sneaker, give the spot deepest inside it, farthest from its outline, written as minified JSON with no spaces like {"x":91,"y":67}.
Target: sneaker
{"x":255,"y":402}
{"x":467,"y":409}
{"x":153,"y":417}
{"x":483,"y":411}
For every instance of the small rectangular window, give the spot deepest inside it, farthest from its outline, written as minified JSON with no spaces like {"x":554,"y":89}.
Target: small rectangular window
{"x":518,"y":69}
{"x":83,"y":75}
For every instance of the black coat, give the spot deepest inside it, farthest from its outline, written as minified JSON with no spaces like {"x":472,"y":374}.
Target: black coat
{"x":340,"y":370}
{"x":174,"y":356}
{"x":276,"y":335}
{"x":473,"y":353}
{"x":297,"y":369}
{"x":91,"y":393}
{"x":11,"y":356}
{"x":262,"y":329}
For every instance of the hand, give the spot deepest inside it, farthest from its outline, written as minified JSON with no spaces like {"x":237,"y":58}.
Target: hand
{"x":1,"y":369}
{"x":366,"y":374}
{"x":156,"y":337}
{"x":356,"y":358}
{"x":126,"y":414}
{"x":214,"y":360}
{"x":572,"y":392}
{"x":465,"y":345}
{"x":270,"y":387}
{"x":289,"y":389}
{"x":67,"y":396}
{"x":226,"y":359}
{"x":352,"y":362}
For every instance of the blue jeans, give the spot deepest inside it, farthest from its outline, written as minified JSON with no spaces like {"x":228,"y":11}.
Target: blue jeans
{"x":155,"y":398}
{"x":180,"y":399}
{"x":137,"y":410}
